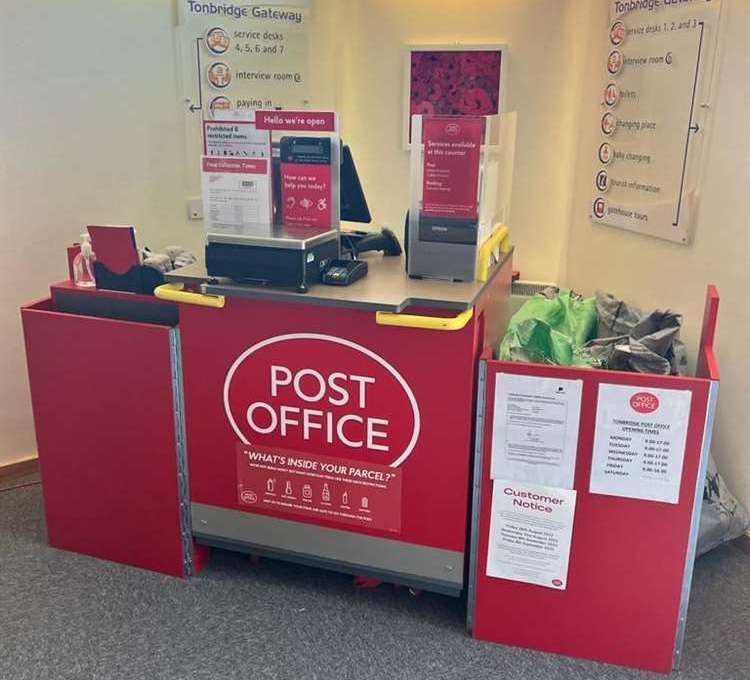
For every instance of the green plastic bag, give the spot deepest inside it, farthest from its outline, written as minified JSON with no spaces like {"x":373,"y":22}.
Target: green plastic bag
{"x":551,"y":328}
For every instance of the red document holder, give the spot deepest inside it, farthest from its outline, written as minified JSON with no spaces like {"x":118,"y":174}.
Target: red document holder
{"x":631,"y":561}
{"x":114,"y":246}
{"x":106,"y":396}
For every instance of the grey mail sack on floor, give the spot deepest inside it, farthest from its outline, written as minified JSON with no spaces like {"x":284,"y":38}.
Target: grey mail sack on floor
{"x":723,"y":518}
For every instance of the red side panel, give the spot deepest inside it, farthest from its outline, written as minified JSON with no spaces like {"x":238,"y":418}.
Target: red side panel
{"x":707,"y":366}
{"x":101,"y":391}
{"x":114,"y":246}
{"x":627,"y":556}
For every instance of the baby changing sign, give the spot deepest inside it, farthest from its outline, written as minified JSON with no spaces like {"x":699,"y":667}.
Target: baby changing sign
{"x":450,"y":178}
{"x":312,"y":485}
{"x":639,"y":443}
{"x":320,"y":393}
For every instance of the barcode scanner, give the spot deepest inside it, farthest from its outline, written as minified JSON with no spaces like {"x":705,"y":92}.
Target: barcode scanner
{"x":357,"y":242}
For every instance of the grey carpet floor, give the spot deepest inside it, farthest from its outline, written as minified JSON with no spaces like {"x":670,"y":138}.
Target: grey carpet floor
{"x":68,"y":616}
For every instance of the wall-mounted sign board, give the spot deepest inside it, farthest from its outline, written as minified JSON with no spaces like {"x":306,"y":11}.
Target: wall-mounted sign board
{"x":242,"y":56}
{"x":654,"y":97}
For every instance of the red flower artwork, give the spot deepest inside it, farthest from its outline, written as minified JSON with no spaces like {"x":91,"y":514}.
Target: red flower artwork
{"x":455,"y":82}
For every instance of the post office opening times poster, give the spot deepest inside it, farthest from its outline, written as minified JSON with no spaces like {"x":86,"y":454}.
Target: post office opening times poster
{"x":639,"y":442}
{"x":535,"y":429}
{"x":530,"y":533}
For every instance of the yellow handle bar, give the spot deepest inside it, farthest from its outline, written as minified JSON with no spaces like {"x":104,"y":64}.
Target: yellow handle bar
{"x":498,"y":238}
{"x":173,"y":292}
{"x":434,"y":323}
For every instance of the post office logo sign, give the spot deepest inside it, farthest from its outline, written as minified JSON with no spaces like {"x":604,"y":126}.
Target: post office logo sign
{"x":644,"y":402}
{"x":317,"y":392}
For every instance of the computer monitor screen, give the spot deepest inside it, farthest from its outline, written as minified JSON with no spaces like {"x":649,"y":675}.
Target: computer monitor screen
{"x":353,"y":202}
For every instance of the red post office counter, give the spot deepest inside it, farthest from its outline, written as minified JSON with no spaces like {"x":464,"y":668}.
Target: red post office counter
{"x":335,"y":428}
{"x":631,"y":558}
{"x":104,"y":371}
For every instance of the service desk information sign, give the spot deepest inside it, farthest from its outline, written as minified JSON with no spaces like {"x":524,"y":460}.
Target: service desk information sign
{"x":451,"y":166}
{"x":639,"y":443}
{"x":530,"y":533}
{"x":654,"y":94}
{"x":242,"y":56}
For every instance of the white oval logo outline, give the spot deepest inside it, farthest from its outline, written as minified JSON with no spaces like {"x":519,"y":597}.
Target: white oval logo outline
{"x":341,"y":341}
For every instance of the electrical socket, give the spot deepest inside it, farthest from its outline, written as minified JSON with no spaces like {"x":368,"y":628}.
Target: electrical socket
{"x":195,"y":209}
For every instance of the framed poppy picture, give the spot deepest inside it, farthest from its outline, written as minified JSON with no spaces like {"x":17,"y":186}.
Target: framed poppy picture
{"x":451,"y":80}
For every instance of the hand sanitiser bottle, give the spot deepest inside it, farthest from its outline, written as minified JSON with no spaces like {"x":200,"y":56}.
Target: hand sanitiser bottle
{"x":83,"y":265}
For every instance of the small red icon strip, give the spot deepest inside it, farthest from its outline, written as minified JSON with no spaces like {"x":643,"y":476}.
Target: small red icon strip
{"x":329,"y":489}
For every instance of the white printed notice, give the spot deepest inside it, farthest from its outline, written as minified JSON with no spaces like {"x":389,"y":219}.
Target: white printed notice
{"x":530,"y":533}
{"x":535,"y":429}
{"x":639,"y":443}
{"x":235,"y":137}
{"x":236,"y":192}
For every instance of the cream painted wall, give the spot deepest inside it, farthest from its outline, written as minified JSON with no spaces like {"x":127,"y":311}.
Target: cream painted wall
{"x":658,"y":273}
{"x":90,"y":131}
{"x":536,"y":83}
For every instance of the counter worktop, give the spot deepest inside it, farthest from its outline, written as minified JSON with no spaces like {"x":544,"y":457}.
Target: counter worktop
{"x":385,"y":288}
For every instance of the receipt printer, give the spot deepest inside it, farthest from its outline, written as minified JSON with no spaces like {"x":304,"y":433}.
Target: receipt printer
{"x":441,"y":247}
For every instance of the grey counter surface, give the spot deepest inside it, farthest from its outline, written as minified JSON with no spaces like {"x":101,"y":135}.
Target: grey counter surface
{"x":385,"y":288}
